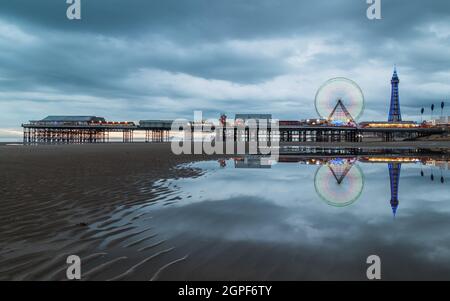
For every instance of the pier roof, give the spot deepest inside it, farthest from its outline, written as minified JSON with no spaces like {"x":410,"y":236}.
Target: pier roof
{"x":253,"y":116}
{"x":52,"y":118}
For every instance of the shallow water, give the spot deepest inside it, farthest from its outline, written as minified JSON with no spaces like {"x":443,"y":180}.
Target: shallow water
{"x":312,"y":221}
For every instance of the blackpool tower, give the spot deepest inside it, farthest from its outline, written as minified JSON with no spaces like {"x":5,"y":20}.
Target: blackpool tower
{"x":394,"y":110}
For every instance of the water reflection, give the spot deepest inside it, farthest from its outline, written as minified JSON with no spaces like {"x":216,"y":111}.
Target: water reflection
{"x":313,"y":215}
{"x":339,"y":181}
{"x":394,"y":177}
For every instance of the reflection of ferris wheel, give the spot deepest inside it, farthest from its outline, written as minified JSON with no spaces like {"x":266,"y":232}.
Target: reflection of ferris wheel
{"x":340,"y":99}
{"x":339,"y":183}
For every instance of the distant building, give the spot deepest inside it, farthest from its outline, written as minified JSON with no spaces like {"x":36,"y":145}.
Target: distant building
{"x":253,"y":116}
{"x":243,"y":118}
{"x":384,"y":124}
{"x":394,"y":110}
{"x":156,"y":123}
{"x":438,"y":164}
{"x":441,"y":121}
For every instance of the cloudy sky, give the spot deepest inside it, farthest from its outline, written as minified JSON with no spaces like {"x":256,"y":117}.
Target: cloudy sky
{"x":131,"y":60}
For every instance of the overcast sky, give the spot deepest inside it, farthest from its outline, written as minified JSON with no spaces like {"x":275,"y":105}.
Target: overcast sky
{"x":132,"y":60}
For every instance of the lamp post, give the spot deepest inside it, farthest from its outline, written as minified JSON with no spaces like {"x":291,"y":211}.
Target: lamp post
{"x":432,"y":109}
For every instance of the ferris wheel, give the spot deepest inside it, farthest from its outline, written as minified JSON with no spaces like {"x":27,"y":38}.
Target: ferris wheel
{"x":339,"y":100}
{"x":339,"y":183}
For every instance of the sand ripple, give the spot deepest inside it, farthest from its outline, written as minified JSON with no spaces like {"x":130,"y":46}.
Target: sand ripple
{"x":70,"y":200}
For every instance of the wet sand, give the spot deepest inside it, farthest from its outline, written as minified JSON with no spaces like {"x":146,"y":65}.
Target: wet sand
{"x":58,"y":200}
{"x":92,"y":201}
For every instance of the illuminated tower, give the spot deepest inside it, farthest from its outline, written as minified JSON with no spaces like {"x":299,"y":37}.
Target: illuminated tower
{"x":394,"y":110}
{"x":394,"y":175}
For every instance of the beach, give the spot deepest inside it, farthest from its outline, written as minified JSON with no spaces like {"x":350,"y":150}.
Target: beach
{"x":95,"y":201}
{"x":50,"y":194}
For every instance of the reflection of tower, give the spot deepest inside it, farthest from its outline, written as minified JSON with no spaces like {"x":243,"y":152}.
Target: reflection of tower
{"x":394,"y":110}
{"x":394,"y":175}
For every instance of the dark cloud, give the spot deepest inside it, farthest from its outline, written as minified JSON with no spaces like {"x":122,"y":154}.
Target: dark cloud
{"x":164,"y":59}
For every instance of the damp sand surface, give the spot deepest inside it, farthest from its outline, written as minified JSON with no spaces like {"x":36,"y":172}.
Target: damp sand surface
{"x":138,"y":212}
{"x":59,"y":200}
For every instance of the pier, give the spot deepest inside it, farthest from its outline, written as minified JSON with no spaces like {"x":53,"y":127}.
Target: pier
{"x":339,"y":125}
{"x":92,"y":129}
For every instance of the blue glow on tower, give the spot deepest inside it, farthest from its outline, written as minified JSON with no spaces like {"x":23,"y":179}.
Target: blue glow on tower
{"x":394,"y":176}
{"x":394,"y":110}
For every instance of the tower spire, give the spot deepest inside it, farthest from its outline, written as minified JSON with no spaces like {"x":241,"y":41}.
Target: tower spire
{"x":394,"y":109}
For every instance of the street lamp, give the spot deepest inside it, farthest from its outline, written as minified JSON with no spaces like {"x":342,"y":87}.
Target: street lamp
{"x":432,"y":109}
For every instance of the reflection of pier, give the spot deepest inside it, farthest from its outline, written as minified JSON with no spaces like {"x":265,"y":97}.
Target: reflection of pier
{"x":250,"y":162}
{"x":313,"y":156}
{"x":339,"y":181}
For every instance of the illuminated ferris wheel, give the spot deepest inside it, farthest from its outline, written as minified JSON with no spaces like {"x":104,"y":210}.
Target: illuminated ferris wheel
{"x":339,"y":183}
{"x":339,"y":100}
